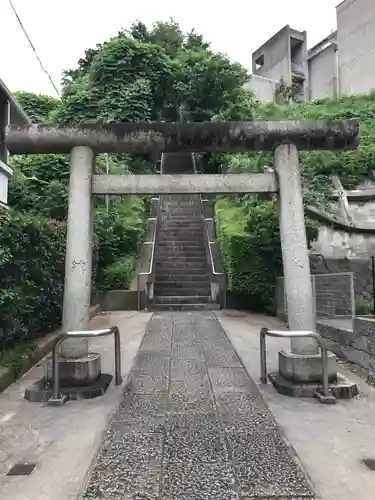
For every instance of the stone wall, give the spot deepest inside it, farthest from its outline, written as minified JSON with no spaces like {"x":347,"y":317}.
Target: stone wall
{"x":358,"y":346}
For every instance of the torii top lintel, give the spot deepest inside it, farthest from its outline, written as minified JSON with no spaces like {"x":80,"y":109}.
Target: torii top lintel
{"x":185,"y":137}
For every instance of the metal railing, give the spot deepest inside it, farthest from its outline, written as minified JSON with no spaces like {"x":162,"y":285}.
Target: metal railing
{"x":151,"y":268}
{"x":333,"y":296}
{"x":327,"y":396}
{"x":57,"y":397}
{"x":208,"y":244}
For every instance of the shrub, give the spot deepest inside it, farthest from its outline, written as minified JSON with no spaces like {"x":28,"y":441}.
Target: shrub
{"x":364,"y":305}
{"x":32,"y":262}
{"x":118,"y":275}
{"x":248,"y":233}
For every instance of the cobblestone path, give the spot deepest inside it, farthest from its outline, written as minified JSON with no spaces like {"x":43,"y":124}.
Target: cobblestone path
{"x":192,"y":425}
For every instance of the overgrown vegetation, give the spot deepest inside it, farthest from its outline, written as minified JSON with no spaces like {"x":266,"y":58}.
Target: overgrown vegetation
{"x":250,"y":241}
{"x":147,"y":74}
{"x":139,"y":75}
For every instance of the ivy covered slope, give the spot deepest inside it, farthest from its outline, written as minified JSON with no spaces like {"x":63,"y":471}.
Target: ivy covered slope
{"x":248,"y":226}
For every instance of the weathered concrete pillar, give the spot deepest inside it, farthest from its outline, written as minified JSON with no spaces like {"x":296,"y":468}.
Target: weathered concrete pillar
{"x":295,"y":254}
{"x":303,"y":363}
{"x":78,"y":262}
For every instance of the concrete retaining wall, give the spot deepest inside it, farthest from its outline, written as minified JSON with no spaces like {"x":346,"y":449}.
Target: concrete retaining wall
{"x":358,"y":346}
{"x":121,"y":300}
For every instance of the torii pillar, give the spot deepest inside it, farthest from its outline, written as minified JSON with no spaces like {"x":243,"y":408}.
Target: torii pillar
{"x":285,"y":139}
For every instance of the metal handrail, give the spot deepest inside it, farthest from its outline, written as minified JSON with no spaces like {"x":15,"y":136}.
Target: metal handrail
{"x":328,"y":397}
{"x":153,"y":243}
{"x":209,"y":243}
{"x":57,"y":397}
{"x":313,"y":284}
{"x":149,"y":272}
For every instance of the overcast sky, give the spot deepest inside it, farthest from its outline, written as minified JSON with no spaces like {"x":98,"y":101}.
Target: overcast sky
{"x":61,"y":30}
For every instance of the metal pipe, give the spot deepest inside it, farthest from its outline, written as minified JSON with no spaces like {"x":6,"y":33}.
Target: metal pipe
{"x":325,"y":371}
{"x":263,"y":356}
{"x":153,"y":243}
{"x":56,"y":395}
{"x":352,"y":298}
{"x":293,"y":334}
{"x":107,"y":172}
{"x":188,"y":137}
{"x":151,"y":266}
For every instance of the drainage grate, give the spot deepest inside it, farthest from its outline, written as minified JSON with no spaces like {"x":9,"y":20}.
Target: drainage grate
{"x":21,"y":470}
{"x":369,"y":463}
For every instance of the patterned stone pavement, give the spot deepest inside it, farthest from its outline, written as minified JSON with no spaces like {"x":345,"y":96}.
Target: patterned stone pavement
{"x":192,"y":425}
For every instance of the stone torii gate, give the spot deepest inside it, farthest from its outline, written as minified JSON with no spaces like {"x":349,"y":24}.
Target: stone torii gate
{"x":285,"y":139}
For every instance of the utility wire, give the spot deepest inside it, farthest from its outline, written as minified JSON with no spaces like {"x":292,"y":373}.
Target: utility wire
{"x":33,"y":48}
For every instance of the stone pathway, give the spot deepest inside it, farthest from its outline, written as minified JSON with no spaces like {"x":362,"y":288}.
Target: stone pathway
{"x":192,"y":425}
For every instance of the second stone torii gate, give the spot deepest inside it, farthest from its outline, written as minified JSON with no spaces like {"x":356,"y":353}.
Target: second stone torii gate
{"x":285,"y":139}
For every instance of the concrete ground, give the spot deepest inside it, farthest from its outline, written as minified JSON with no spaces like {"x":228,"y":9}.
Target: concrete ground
{"x":62,"y":441}
{"x":330,"y":441}
{"x":192,"y":424}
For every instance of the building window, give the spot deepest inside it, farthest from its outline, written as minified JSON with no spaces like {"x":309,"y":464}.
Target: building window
{"x":259,"y":62}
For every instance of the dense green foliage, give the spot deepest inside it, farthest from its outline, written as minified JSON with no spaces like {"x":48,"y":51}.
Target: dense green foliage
{"x":352,"y":166}
{"x":153,"y":74}
{"x":248,"y":226}
{"x":144,"y":74}
{"x":31,"y":274}
{"x":248,"y":232}
{"x":39,"y":108}
{"x":139,"y":75}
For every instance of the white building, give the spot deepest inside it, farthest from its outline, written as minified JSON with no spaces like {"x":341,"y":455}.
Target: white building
{"x":10,"y":113}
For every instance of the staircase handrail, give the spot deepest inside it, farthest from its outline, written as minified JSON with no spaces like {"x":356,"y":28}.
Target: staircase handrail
{"x":208,"y":241}
{"x":151,"y":269}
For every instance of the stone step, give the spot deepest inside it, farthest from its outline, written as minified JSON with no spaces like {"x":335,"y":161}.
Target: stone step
{"x":180,"y":259}
{"x":181,"y":271}
{"x":186,"y":241}
{"x":186,"y":225}
{"x":175,"y":247}
{"x":167,"y":215}
{"x":181,"y":299}
{"x":181,"y":231}
{"x":180,"y":255}
{"x":183,"y":284}
{"x":180,"y":245}
{"x":181,"y":241}
{"x":183,"y":220}
{"x":184,"y":235}
{"x":178,"y":268}
{"x":184,"y":307}
{"x":181,"y":278}
{"x":171,"y":212}
{"x":189,"y":291}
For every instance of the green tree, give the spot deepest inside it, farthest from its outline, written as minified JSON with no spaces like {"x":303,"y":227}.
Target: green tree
{"x":38,"y":107}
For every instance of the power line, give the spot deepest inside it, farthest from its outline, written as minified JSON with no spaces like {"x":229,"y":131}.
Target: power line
{"x":33,"y":48}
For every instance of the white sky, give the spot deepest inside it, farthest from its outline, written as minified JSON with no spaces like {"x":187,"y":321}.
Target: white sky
{"x":62,"y":30}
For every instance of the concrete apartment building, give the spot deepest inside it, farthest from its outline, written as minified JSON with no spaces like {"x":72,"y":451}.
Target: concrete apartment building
{"x":341,"y":64}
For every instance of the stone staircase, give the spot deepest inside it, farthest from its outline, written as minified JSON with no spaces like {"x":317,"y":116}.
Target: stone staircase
{"x":182,"y":280}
